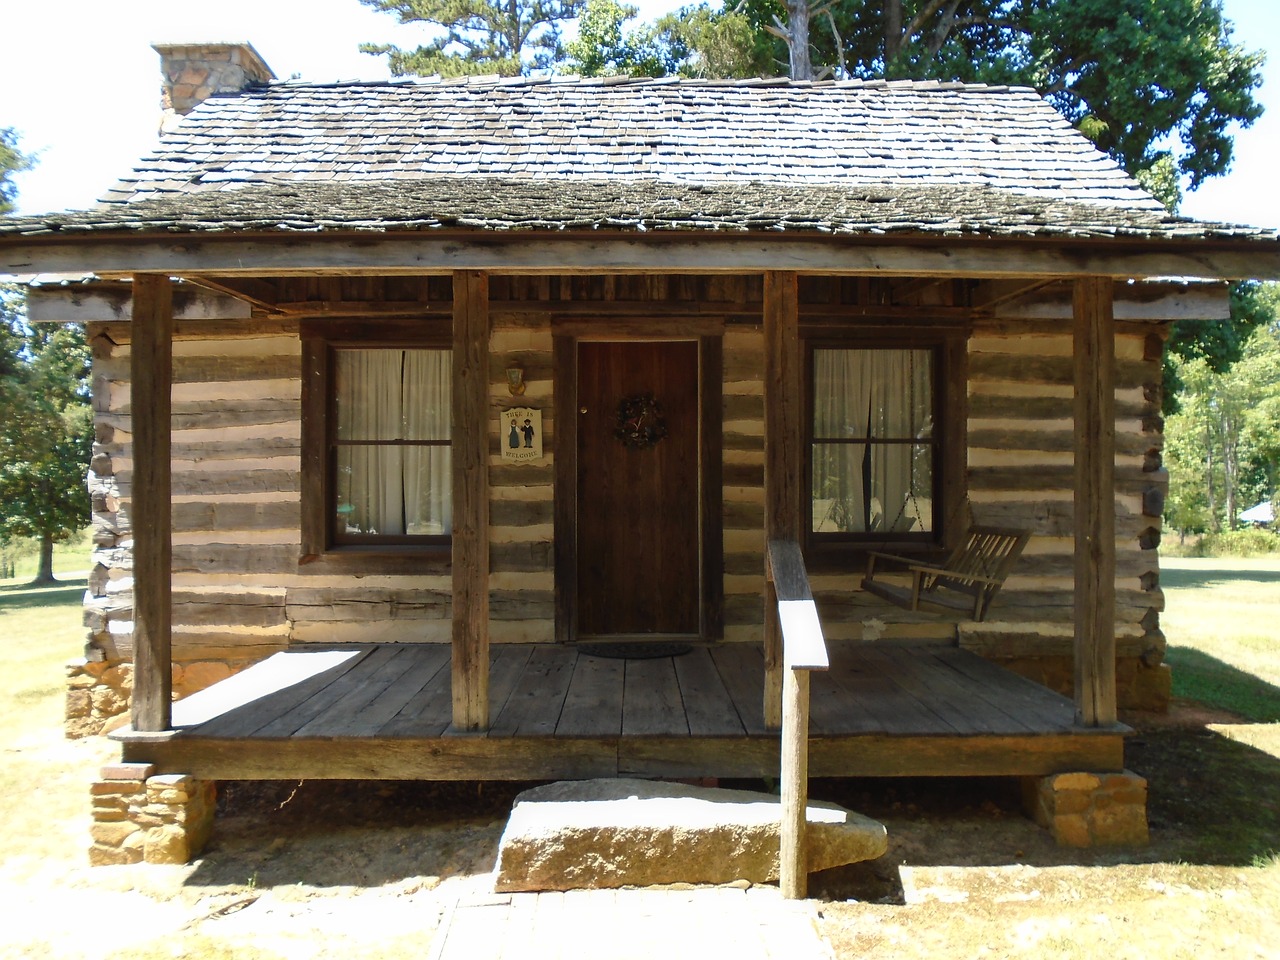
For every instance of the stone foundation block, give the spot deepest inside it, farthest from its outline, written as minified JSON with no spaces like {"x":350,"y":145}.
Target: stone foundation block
{"x":140,"y":816}
{"x":614,"y":833}
{"x":1088,"y":809}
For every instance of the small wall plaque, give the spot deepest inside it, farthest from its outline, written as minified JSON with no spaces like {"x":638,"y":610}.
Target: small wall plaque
{"x":520,"y":429}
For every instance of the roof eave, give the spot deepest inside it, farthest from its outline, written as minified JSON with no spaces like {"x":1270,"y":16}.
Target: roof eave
{"x":353,"y":252}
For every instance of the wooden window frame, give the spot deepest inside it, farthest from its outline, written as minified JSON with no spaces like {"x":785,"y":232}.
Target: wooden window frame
{"x":386,"y":555}
{"x":950,"y":378}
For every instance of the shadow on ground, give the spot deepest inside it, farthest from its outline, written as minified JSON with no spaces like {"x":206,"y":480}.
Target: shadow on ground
{"x":1193,"y":579}
{"x":1214,"y":800}
{"x":353,"y":833}
{"x":27,"y":596}
{"x":1207,"y":678}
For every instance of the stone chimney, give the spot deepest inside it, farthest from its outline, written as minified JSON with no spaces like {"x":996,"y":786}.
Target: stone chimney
{"x":193,"y":72}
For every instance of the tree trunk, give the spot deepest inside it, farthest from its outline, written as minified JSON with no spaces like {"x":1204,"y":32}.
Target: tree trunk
{"x":1214,"y":526}
{"x":892,"y":34}
{"x":1230,"y":471}
{"x":44,"y":573}
{"x":798,"y":39}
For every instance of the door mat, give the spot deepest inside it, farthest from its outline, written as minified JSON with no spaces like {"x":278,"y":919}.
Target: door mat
{"x":637,"y":650}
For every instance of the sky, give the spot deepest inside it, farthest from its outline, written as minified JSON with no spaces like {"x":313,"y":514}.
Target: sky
{"x":79,"y":81}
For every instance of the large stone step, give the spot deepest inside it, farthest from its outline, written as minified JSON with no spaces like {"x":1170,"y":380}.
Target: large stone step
{"x":614,"y":833}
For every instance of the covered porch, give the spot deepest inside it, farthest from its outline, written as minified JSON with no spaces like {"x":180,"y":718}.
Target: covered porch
{"x":473,"y":663}
{"x":383,"y":711}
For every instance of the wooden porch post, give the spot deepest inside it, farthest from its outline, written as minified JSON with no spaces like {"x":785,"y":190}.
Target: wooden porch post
{"x":470,"y":500}
{"x":782,"y":453}
{"x":1095,"y":534}
{"x":151,"y":379}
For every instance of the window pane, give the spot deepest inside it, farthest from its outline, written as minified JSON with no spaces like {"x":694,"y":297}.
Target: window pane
{"x":393,"y":394}
{"x":428,"y":491}
{"x":879,"y":394}
{"x":370,"y":490}
{"x":872,"y":488}
{"x":392,"y":490}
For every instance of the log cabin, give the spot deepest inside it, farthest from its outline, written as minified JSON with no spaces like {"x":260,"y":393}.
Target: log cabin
{"x":503,"y":428}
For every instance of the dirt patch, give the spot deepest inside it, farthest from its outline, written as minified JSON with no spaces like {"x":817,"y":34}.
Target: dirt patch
{"x":334,"y":870}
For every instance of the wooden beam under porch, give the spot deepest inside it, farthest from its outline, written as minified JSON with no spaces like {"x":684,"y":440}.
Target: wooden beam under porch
{"x":384,"y":712}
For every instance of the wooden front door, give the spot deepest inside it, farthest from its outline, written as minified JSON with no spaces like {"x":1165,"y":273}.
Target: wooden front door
{"x":638,"y":525}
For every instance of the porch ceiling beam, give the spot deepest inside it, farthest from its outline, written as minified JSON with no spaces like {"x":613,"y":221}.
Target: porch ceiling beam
{"x":151,"y":377}
{"x":112,"y":303}
{"x":1147,"y":301}
{"x":232,"y":256}
{"x":1095,"y":507}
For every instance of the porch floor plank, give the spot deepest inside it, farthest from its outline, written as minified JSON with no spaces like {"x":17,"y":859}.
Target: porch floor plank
{"x":1023,"y":697}
{"x":651,"y":705}
{"x":507,"y":663}
{"x":326,"y":699}
{"x":833,"y":709}
{"x":343,"y":718}
{"x":881,"y":710}
{"x":942,"y":682}
{"x":741,"y":668}
{"x":593,"y":705}
{"x":533,"y":710}
{"x":250,"y":719}
{"x":429,"y":713}
{"x":896,"y":712}
{"x":708,"y":706}
{"x":418,"y":669}
{"x":903,"y":672}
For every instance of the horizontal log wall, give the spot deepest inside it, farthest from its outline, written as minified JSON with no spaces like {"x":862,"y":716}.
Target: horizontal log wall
{"x":239,"y":592}
{"x":521,"y":495}
{"x":1020,"y":413}
{"x":743,"y":483}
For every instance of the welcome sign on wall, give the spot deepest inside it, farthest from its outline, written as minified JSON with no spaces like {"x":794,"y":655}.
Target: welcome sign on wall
{"x":520,"y":429}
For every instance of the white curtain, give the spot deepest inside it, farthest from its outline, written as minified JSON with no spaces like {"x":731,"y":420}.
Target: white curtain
{"x":387,"y":394}
{"x":863,"y":398}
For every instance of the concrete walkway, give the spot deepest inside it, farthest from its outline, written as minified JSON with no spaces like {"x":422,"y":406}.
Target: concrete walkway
{"x":754,"y":923}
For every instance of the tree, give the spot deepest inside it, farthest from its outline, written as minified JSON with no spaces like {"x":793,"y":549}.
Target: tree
{"x":1220,"y":344}
{"x":722,"y":45}
{"x":1144,"y":79}
{"x":691,"y":42}
{"x":12,"y":160}
{"x":46,"y":436}
{"x":46,"y":427}
{"x":604,"y":48}
{"x":1223,"y":444}
{"x":506,"y":37}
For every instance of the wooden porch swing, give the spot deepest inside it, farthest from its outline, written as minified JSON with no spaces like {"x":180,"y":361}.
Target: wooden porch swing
{"x":966,"y":582}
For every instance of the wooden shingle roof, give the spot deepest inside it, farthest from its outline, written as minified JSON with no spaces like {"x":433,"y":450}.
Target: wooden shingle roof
{"x":844,"y":157}
{"x":878,"y":133}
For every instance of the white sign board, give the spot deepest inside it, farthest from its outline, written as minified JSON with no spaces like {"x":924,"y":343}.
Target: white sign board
{"x":520,"y":430}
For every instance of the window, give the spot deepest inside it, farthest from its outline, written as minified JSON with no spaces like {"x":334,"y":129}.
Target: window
{"x":376,"y":425}
{"x":390,"y":445}
{"x":875,"y":446}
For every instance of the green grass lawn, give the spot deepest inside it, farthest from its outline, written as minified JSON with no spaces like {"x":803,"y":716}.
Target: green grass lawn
{"x":71,"y":557}
{"x":41,"y":631}
{"x":1222,"y":623}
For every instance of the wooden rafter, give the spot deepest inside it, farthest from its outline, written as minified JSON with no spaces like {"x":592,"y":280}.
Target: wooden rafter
{"x":997,"y":293}
{"x":902,"y":290}
{"x":252,"y":290}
